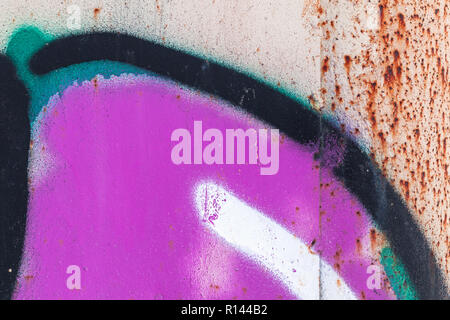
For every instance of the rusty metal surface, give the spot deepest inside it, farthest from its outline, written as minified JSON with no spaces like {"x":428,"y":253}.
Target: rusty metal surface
{"x":386,"y":79}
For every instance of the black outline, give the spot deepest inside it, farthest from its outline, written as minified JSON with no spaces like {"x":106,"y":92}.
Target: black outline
{"x":14,"y":146}
{"x":357,"y":171}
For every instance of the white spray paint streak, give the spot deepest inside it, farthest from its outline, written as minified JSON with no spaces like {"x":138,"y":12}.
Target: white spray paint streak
{"x":271,"y":245}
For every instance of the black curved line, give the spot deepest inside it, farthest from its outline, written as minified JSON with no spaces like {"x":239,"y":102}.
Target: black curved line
{"x":14,"y":145}
{"x":357,"y":171}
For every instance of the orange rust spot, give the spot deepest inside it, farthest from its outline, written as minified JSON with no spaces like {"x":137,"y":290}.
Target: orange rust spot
{"x":338,"y":90}
{"x":382,"y":140}
{"x":373,"y":239}
{"x":28,"y":278}
{"x":311,"y":100}
{"x":97,"y":12}
{"x":337,"y":266}
{"x":388,"y":75}
{"x":325,"y":65}
{"x":347,"y":64}
{"x":401,"y":21}
{"x":337,"y":254}
{"x":311,"y":245}
{"x":320,"y":10}
{"x":214,"y":286}
{"x":371,"y":105}
{"x":405,"y":186}
{"x":358,"y":246}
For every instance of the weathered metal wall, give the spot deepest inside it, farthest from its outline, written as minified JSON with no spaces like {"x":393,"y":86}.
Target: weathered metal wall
{"x":377,"y":72}
{"x":388,"y":80}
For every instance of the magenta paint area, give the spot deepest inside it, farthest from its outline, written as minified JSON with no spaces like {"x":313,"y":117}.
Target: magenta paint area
{"x":105,"y":196}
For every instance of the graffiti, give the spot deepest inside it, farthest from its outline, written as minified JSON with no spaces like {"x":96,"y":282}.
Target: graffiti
{"x":261,"y":146}
{"x":15,"y":134}
{"x":95,"y":201}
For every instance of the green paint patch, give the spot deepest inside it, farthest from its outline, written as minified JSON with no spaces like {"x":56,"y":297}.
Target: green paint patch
{"x":26,"y":41}
{"x":398,"y":277}
{"x":57,"y":81}
{"x":23,"y":44}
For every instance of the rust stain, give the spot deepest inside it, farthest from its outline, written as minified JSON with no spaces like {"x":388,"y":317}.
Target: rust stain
{"x":311,"y":245}
{"x":97,"y":12}
{"x":395,"y":88}
{"x":95,"y":82}
{"x":358,"y":246}
{"x":373,"y":239}
{"x":325,"y":65}
{"x":347,"y":64}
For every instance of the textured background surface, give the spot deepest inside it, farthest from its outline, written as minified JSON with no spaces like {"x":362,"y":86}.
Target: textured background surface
{"x":381,"y":69}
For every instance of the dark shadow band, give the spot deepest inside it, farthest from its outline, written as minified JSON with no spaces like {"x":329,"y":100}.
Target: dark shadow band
{"x":14,"y":146}
{"x":357,"y":171}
